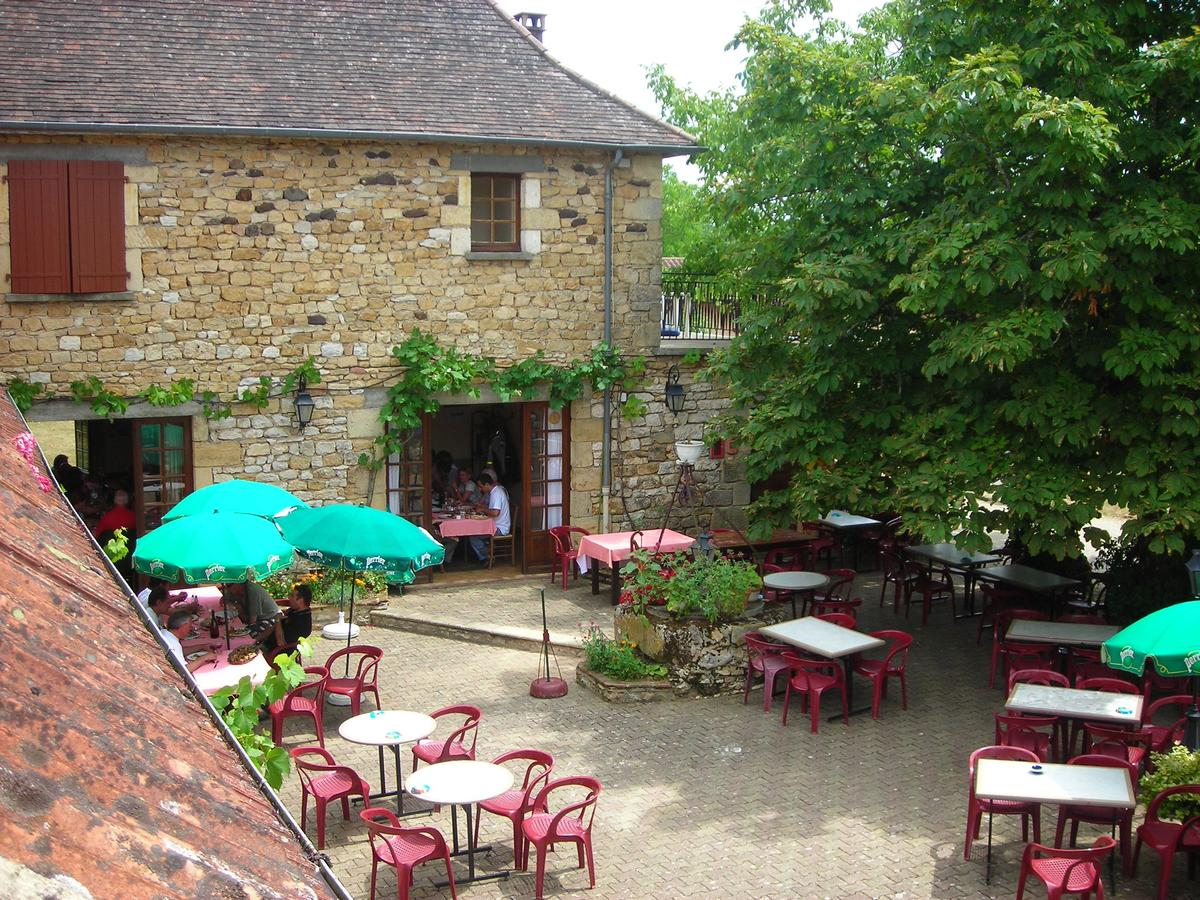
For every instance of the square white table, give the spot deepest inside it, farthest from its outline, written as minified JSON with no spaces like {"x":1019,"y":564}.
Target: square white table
{"x":1062,"y":634}
{"x":845,"y":523}
{"x":828,"y":640}
{"x":1007,"y":779}
{"x":1094,"y":706}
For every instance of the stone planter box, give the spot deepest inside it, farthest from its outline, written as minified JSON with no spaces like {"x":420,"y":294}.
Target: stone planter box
{"x":646,"y":690}
{"x":707,"y":659}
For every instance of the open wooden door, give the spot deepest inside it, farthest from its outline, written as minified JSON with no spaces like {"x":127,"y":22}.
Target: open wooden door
{"x":162,"y":468}
{"x":546,"y":487}
{"x":409,"y":478}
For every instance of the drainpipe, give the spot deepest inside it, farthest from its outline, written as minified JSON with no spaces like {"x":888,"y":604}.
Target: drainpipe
{"x":606,"y":446}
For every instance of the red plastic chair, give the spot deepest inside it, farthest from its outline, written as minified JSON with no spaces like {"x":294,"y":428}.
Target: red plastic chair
{"x":813,"y":677}
{"x":570,"y":825}
{"x":403,"y":848}
{"x":325,"y":781}
{"x":1037,"y":676}
{"x":1111,"y":685}
{"x":931,"y":586}
{"x":819,"y":546}
{"x":1026,"y":732}
{"x":976,"y":807}
{"x":1121,"y":819}
{"x":894,"y":573}
{"x":996,"y":600}
{"x":1132,"y":747}
{"x":1027,"y":656}
{"x":841,"y":582}
{"x":566,"y":550}
{"x":1165,"y":837}
{"x":364,"y":677}
{"x":1066,"y":871}
{"x":849,"y":608}
{"x":891,"y":665}
{"x":517,"y":803}
{"x":763,"y":657}
{"x":305,"y":699}
{"x":461,"y":742}
{"x":794,"y":558}
{"x":1002,"y":620}
{"x":1162,"y":736}
{"x":844,"y":619}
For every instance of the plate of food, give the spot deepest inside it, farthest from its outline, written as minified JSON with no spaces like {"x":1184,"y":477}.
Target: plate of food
{"x":238,"y":632}
{"x":195,"y":655}
{"x":239,"y":656}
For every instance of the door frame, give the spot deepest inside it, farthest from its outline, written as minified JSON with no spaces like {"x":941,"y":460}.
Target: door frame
{"x":537,"y":551}
{"x":138,"y":486}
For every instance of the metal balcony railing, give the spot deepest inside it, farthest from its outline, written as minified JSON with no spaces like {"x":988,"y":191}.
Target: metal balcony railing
{"x":695,"y":308}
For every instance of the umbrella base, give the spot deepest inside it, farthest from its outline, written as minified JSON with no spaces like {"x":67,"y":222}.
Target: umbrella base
{"x":547,"y":688}
{"x":340,"y":631}
{"x":337,"y":699}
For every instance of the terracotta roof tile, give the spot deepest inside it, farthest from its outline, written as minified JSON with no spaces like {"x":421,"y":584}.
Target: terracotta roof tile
{"x":398,"y":67}
{"x":110,"y":773}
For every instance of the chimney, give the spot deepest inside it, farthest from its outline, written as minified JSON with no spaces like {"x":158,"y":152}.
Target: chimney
{"x":534,"y":23}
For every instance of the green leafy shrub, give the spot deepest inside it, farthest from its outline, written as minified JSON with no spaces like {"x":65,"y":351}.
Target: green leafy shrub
{"x":714,"y":587}
{"x":1179,"y":766}
{"x":328,"y":585}
{"x":617,"y":659}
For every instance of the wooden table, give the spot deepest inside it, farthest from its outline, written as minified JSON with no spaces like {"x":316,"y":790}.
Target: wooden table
{"x":1061,"y":634}
{"x":780,"y":537}
{"x":388,"y":728}
{"x":1006,"y":779}
{"x":963,"y":561}
{"x":615,"y":547}
{"x":1034,"y":581}
{"x":462,"y":783}
{"x":828,"y":640}
{"x":792,"y":583}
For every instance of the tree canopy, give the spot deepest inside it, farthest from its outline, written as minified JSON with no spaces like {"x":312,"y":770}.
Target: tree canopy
{"x":687,"y":229}
{"x":978,"y":220}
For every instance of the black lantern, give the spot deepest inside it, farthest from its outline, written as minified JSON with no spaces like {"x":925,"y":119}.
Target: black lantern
{"x":1193,"y":570}
{"x":304,"y":405}
{"x":704,"y":544}
{"x":674,"y":397}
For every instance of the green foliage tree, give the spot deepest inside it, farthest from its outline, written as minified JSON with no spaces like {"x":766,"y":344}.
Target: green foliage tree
{"x":687,"y":227}
{"x":980,"y":222}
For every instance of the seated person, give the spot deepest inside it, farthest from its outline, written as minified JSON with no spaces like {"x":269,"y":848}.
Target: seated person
{"x":254,"y":605}
{"x":177,"y":627}
{"x":295,"y":623}
{"x":497,"y":507}
{"x":159,"y":603}
{"x":119,"y":516}
{"x":464,"y":490}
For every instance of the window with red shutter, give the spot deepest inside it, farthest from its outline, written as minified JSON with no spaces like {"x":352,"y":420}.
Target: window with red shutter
{"x":66,"y":227}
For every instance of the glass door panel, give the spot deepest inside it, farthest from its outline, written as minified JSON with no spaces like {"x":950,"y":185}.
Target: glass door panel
{"x":163,"y":471}
{"x":546,"y":491}
{"x":408,"y":479}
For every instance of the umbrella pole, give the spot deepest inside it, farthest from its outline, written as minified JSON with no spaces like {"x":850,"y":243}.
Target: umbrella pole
{"x":225,"y":611}
{"x":1191,"y":733}
{"x":349,"y":630}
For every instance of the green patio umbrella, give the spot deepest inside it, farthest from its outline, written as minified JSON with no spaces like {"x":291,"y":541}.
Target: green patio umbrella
{"x":218,"y":547}
{"x":361,"y":539}
{"x":1169,"y":638}
{"x":255,"y":498}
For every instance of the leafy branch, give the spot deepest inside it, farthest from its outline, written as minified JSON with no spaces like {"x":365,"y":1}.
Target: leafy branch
{"x":103,"y":401}
{"x":23,"y":392}
{"x":179,"y":392}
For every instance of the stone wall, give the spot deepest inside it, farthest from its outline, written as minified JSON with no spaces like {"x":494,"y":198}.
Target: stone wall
{"x":248,"y":256}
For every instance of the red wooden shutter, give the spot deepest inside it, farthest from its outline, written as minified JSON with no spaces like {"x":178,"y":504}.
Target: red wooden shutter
{"x":39,"y":242}
{"x":97,"y":191}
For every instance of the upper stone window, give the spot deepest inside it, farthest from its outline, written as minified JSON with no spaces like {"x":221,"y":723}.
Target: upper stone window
{"x":66,"y":226}
{"x":495,"y":212}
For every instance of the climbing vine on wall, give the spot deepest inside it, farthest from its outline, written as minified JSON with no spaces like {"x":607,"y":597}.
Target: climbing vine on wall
{"x":431,"y":369}
{"x":109,"y":404}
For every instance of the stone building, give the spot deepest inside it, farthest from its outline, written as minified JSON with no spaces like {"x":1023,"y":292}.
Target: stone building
{"x":219,"y":191}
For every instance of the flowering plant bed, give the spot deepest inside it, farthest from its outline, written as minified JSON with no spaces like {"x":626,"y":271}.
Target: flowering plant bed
{"x":329,"y":586}
{"x":714,"y":588}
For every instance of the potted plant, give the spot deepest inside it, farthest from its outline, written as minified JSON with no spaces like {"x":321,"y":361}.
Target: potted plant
{"x":689,"y":452}
{"x":715,"y":587}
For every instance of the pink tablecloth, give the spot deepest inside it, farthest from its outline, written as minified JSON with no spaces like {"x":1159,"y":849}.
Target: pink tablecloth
{"x":454,"y":528}
{"x":211,"y":677}
{"x":208,"y":595}
{"x":614,"y":547}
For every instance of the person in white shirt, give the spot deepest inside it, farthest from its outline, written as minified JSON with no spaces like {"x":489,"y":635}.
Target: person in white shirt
{"x":497,"y":507}
{"x":178,"y":625}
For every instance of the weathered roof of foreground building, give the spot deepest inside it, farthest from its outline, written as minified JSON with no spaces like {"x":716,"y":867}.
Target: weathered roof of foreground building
{"x":452,"y":69}
{"x":113,"y":782}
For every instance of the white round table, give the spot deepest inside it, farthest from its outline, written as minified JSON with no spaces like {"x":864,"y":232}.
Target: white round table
{"x":794,"y":582}
{"x":461,"y":783}
{"x":388,"y":728}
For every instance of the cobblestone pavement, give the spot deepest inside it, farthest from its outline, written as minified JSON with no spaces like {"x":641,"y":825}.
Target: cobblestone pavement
{"x":710,"y":797}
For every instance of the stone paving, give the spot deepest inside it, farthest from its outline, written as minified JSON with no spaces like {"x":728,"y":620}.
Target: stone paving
{"x":710,"y":797}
